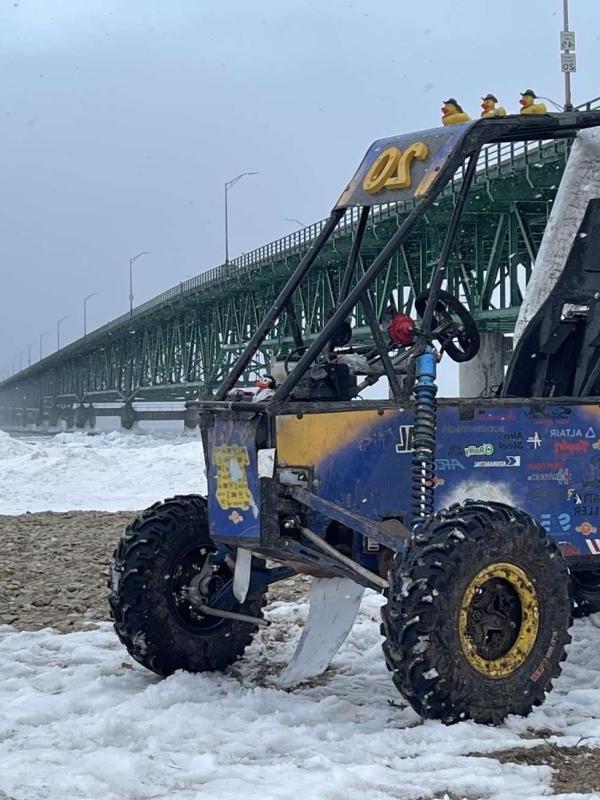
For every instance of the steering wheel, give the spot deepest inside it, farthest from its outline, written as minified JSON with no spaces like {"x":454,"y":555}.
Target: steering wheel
{"x":460,"y":339}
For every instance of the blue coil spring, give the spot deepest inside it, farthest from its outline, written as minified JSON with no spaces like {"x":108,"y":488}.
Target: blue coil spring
{"x":423,"y":462}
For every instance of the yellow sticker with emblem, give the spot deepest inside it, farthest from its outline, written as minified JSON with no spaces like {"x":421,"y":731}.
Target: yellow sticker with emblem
{"x":392,"y":168}
{"x":233,"y":491}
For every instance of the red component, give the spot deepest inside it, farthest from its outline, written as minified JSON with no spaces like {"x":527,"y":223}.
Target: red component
{"x":401,"y":329}
{"x":568,"y":549}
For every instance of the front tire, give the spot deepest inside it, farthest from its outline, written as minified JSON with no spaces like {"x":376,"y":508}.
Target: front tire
{"x":478,"y":614}
{"x":156,"y":562}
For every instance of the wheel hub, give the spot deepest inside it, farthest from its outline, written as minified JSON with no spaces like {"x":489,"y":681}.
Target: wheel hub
{"x":194,"y":578}
{"x":499,"y":619}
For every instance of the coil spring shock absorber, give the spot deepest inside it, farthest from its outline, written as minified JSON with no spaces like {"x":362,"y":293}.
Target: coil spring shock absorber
{"x":423,"y":463}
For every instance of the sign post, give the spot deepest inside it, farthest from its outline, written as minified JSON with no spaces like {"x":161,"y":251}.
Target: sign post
{"x":568,"y":60}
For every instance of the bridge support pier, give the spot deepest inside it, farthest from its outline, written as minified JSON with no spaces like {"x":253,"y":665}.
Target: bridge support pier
{"x":191,"y":419}
{"x":69,"y":418}
{"x":481,"y":376}
{"x":129,"y":416}
{"x":54,"y":417}
{"x":85,"y":417}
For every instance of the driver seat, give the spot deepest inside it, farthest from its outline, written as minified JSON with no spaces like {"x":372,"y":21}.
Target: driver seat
{"x":558,"y":352}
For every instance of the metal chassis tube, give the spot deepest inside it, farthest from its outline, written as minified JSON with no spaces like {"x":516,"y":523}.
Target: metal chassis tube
{"x":354,"y":252}
{"x":439,"y":272}
{"x":277,"y":307}
{"x":352,"y":298}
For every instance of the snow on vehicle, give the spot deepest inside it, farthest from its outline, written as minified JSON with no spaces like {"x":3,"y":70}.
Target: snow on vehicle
{"x":308,"y":477}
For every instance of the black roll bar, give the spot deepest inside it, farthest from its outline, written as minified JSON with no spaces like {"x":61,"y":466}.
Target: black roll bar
{"x":277,"y":307}
{"x":479,"y":133}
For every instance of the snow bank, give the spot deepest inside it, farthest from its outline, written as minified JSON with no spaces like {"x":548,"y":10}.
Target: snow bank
{"x":11,"y":448}
{"x":108,"y":472}
{"x":80,"y":719}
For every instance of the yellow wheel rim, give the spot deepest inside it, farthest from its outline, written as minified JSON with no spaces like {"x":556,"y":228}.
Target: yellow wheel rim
{"x":499,"y":620}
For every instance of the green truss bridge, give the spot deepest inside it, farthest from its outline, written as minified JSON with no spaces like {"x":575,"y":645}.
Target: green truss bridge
{"x":179,"y":345}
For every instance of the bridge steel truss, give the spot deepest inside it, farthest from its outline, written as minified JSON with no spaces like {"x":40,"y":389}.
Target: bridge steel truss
{"x":179,"y":345}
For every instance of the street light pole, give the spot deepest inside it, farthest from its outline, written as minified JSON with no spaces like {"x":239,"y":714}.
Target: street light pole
{"x":228,"y":185}
{"x":85,"y":301}
{"x":62,"y":319}
{"x":131,"y":263}
{"x":44,"y":333}
{"x":226,"y":226}
{"x":29,"y":346}
{"x":296,"y":221}
{"x":568,"y":57}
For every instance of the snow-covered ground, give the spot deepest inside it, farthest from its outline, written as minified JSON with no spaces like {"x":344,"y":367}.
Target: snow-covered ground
{"x":80,"y":719}
{"x":109,"y":472}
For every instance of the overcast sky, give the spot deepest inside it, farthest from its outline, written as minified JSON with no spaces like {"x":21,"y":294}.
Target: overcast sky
{"x":121,"y":119}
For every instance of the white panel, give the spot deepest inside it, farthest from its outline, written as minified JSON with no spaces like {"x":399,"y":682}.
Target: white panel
{"x":580,"y":184}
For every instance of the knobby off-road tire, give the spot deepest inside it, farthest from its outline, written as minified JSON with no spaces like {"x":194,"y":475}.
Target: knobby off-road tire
{"x":586,"y":591}
{"x":160,"y":551}
{"x":461,"y":636}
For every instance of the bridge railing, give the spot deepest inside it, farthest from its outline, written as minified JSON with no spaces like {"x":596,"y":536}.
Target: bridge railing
{"x":492,"y":157}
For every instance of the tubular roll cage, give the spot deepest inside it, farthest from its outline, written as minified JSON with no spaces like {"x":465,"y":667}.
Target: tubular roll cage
{"x":467,"y":149}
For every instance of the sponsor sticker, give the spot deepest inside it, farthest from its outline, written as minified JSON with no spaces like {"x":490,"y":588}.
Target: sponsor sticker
{"x":448,"y":464}
{"x":507,"y":461}
{"x":586,"y":528}
{"x":554,"y":522}
{"x":479,"y":450}
{"x":549,"y":414}
{"x":571,"y":448}
{"x":405,"y":434}
{"x":562,"y":476}
{"x":471,"y":428}
{"x":572,"y":433}
{"x":512,"y":441}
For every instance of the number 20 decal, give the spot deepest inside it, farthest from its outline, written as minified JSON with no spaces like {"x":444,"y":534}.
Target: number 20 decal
{"x":391,"y":169}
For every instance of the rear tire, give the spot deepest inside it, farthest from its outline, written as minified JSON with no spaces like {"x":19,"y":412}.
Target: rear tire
{"x":161,"y":552}
{"x":478,"y":614}
{"x":586,"y":591}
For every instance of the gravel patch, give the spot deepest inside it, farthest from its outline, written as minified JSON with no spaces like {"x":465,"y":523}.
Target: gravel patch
{"x":54,"y":569}
{"x":574,"y":769}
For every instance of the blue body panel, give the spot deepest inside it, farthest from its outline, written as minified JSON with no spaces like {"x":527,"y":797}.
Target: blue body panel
{"x":542,"y":457}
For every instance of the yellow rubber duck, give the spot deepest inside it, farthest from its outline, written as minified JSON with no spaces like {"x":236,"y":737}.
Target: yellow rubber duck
{"x":490,"y":109}
{"x":528,"y":104}
{"x":452,"y":113}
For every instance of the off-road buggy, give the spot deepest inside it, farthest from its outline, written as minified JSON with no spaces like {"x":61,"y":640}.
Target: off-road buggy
{"x":478,"y":518}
